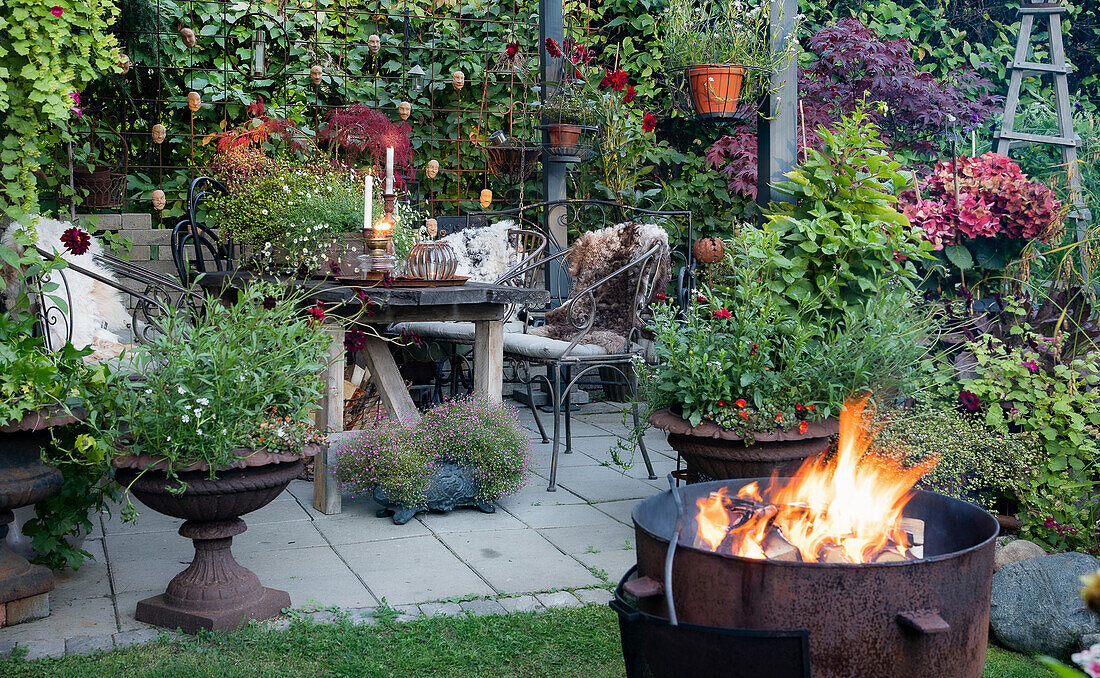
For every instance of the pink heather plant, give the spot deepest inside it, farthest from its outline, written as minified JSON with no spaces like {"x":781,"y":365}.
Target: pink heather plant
{"x":487,"y":439}
{"x":994,"y":199}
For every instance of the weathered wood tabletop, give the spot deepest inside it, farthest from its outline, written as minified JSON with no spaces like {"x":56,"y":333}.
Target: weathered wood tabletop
{"x":484,"y":305}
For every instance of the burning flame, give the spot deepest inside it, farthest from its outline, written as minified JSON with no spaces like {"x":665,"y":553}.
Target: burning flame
{"x":847,"y":508}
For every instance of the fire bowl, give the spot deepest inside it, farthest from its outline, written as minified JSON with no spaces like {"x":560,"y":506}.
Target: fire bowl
{"x":925,"y":617}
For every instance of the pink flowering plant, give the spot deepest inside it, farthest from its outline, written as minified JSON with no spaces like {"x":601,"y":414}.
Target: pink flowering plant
{"x":401,"y":460}
{"x":979,"y":213}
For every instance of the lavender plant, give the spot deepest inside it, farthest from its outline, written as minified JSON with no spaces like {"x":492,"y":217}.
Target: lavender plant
{"x":487,"y":439}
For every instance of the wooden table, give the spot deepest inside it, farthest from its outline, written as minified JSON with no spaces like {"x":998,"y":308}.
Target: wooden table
{"x":484,"y":305}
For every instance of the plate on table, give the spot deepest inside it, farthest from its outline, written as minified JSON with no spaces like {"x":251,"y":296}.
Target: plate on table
{"x":403,"y":281}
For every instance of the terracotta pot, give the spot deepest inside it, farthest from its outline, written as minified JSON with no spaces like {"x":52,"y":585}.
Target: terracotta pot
{"x":24,"y":480}
{"x":564,"y":138}
{"x":715,"y":88}
{"x":98,"y":184}
{"x":713,"y":453}
{"x":215,"y":592}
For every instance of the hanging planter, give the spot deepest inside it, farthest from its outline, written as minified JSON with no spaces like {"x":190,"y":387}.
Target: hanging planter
{"x":512,"y":163}
{"x":718,"y":60}
{"x":569,"y":120}
{"x":100,"y":157}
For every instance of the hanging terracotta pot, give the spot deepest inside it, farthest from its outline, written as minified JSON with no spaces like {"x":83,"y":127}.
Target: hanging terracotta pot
{"x":715,"y":88}
{"x":708,"y":250}
{"x":315,"y":74}
{"x":564,"y":137}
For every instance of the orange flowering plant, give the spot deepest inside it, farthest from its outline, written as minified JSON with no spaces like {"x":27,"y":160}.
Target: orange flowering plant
{"x":740,"y":358}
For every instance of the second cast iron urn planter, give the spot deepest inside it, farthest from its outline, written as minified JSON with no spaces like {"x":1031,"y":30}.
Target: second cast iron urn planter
{"x":215,"y":592}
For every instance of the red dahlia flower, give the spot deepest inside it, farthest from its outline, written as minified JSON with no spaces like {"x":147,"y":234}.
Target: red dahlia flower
{"x":630,"y":94}
{"x":512,"y":49}
{"x":552,"y":48}
{"x":722,"y":313}
{"x":618,"y":79}
{"x":317,"y":313}
{"x":649,"y":123}
{"x":76,"y":241}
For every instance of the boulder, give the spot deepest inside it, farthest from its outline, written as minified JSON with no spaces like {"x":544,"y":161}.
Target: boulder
{"x":1015,"y":551}
{"x":1088,"y":640}
{"x":1036,"y":605}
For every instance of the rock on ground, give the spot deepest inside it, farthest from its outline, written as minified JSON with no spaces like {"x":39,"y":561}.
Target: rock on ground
{"x":1036,"y":605}
{"x":1015,"y":551}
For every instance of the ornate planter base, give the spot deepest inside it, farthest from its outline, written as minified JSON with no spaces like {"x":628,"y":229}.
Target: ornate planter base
{"x":24,"y":480}
{"x":712,"y":453}
{"x":452,"y":487}
{"x":215,"y":592}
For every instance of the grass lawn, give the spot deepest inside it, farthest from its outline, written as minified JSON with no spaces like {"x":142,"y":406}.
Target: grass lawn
{"x":580,"y":642}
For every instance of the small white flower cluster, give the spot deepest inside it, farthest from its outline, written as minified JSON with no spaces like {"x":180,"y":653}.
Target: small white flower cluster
{"x":1089,"y":660}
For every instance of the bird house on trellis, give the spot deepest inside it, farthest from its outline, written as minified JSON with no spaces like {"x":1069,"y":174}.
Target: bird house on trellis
{"x":1066,"y":139}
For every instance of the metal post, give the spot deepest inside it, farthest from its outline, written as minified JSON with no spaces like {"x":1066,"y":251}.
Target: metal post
{"x":777,"y":128}
{"x":551,"y":25}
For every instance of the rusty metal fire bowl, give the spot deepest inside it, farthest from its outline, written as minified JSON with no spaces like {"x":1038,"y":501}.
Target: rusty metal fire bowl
{"x":924,"y":617}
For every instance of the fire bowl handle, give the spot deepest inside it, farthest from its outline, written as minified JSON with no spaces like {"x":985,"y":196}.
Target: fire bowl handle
{"x":924,"y":622}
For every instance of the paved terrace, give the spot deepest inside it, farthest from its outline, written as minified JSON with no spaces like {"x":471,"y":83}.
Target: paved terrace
{"x":539,"y":549}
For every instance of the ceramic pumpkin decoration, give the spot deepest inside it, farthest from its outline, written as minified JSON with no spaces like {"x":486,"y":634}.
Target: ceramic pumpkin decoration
{"x":432,"y":169}
{"x":159,"y":201}
{"x":486,"y":198}
{"x":194,"y":101}
{"x":404,"y":110}
{"x":708,"y":250}
{"x":188,"y":37}
{"x":315,"y":75}
{"x":159,"y":132}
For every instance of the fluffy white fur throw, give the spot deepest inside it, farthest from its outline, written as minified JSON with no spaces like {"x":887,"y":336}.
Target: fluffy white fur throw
{"x":595,"y":255}
{"x":484,"y":254}
{"x":96,"y":312}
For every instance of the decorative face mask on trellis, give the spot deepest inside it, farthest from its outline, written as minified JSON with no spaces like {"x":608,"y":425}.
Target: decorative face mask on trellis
{"x":374,"y":43}
{"x":432,"y":169}
{"x":431,"y":227}
{"x":486,"y":198}
{"x":194,"y":101}
{"x":159,"y":132}
{"x":315,"y":75}
{"x":159,"y":201}
{"x":458,"y":79}
{"x":188,"y":37}
{"x":124,"y":63}
{"x":404,"y":110}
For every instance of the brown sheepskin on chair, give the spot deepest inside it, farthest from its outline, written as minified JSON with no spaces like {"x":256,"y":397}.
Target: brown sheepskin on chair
{"x":595,"y":255}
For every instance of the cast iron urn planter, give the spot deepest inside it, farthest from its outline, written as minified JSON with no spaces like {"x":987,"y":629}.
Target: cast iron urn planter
{"x":215,"y":592}
{"x":453,"y":486}
{"x":713,"y":453}
{"x":24,"y":480}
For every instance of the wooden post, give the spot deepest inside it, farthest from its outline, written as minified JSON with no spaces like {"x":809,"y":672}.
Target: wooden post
{"x":489,"y":359}
{"x":330,"y":419}
{"x":777,"y":131}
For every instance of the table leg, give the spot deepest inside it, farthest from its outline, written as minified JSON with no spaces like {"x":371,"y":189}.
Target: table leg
{"x":330,"y":419}
{"x":387,"y":378}
{"x":489,"y":359}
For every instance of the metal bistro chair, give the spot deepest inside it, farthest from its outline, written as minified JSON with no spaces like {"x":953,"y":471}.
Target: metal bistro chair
{"x":567,"y":363}
{"x":196,"y":248}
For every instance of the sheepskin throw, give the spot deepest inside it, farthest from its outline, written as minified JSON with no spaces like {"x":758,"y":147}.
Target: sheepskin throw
{"x":96,"y":312}
{"x":595,"y":255}
{"x":484,"y":254}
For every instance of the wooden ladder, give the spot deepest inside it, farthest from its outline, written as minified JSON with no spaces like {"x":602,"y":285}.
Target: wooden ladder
{"x":1066,"y":139}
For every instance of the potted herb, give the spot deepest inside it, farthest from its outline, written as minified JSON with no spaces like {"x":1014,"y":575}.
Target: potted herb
{"x":570,"y":113}
{"x":722,"y":51}
{"x":216,"y":428}
{"x":462,"y":453}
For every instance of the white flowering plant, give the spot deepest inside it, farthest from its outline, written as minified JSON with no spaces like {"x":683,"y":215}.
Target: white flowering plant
{"x":223,"y":382}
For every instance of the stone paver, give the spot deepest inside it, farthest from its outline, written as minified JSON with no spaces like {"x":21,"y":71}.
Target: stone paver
{"x":536,"y":545}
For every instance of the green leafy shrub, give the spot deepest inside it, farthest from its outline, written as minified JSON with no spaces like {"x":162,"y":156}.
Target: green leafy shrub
{"x":488,"y":439}
{"x":842,"y":240}
{"x":741,"y":358}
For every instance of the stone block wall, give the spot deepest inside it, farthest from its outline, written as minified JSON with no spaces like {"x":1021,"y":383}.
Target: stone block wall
{"x":152,"y":247}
